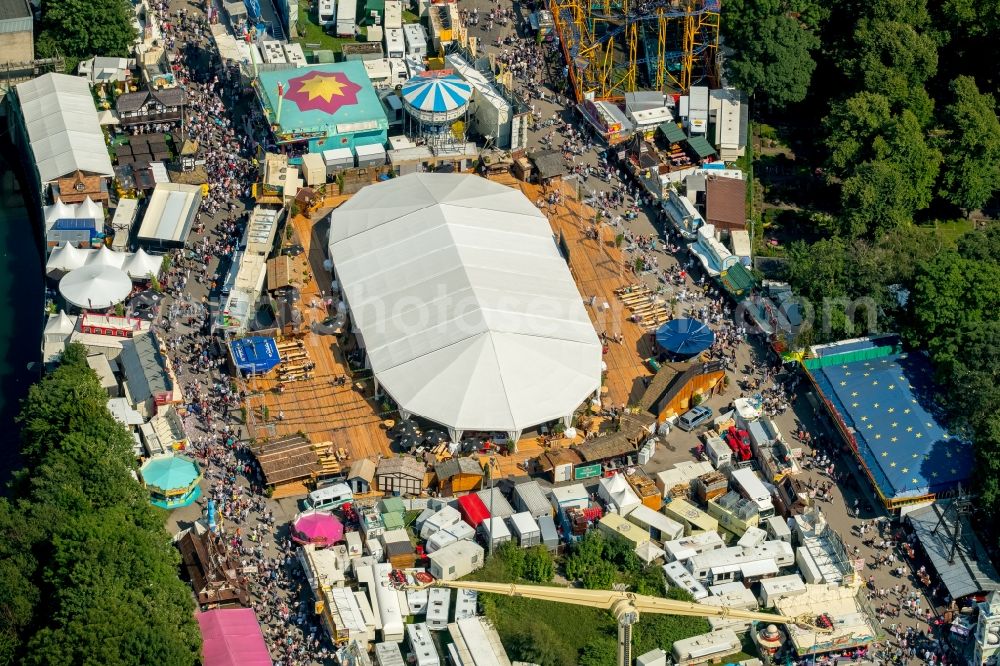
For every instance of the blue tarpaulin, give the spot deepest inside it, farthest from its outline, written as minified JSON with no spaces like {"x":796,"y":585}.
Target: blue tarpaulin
{"x":685,"y":337}
{"x":255,"y":354}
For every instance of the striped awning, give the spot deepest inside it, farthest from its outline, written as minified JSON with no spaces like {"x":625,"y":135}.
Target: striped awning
{"x":436,"y":94}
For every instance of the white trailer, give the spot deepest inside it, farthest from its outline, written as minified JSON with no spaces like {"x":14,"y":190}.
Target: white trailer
{"x":416,"y":40}
{"x":327,"y":12}
{"x":393,"y":14}
{"x":446,"y":517}
{"x":347,"y":11}
{"x":388,"y":603}
{"x":457,"y":532}
{"x":395,"y":46}
{"x":526,"y":529}
{"x":422,"y":649}
{"x":494,"y":530}
{"x":466,"y":604}
{"x":678,"y":576}
{"x":438,"y":608}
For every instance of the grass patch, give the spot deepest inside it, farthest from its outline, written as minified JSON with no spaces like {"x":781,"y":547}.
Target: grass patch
{"x":554,"y":634}
{"x":949,"y":230}
{"x":312,"y":33}
{"x":410,"y":17}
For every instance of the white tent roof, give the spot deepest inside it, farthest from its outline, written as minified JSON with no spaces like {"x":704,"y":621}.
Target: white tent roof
{"x":66,"y":257}
{"x":62,"y":125}
{"x":142,"y":265}
{"x":60,"y":323}
{"x":138,"y":265}
{"x":467,"y":310}
{"x":615,"y":490}
{"x":648,"y":552}
{"x":95,"y":287}
{"x":87,"y":209}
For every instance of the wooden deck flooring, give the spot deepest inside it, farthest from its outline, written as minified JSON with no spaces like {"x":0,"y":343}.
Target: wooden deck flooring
{"x":342,"y":415}
{"x":599,"y":268}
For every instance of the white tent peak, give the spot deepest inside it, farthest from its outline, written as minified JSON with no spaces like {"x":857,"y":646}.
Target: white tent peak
{"x":60,"y":323}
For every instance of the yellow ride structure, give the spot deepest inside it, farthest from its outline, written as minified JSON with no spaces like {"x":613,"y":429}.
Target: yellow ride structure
{"x":613,"y":47}
{"x":625,"y":606}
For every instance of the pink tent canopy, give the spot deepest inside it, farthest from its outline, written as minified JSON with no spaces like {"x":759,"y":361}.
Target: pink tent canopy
{"x":319,"y":527}
{"x":232,"y":637}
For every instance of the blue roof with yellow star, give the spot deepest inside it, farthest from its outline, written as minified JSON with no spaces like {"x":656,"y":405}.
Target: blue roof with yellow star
{"x":332,"y":104}
{"x":888,"y":401}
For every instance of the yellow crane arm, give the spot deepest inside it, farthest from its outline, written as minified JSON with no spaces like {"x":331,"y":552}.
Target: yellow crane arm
{"x":618,"y":602}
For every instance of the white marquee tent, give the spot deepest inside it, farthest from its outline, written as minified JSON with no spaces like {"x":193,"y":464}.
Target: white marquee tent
{"x":87,"y":209}
{"x":463,"y":303}
{"x":95,"y":287}
{"x":138,"y":265}
{"x":62,"y":125}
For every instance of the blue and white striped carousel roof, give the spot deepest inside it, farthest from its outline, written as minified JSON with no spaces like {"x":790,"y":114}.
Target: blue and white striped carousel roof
{"x":436,"y":94}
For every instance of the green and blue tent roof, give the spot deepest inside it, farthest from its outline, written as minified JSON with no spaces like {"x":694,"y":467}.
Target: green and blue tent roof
{"x":170,"y":472}
{"x":889,"y":404}
{"x":436,"y":94}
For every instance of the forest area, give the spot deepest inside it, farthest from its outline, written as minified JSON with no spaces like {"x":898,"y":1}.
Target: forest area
{"x":890,"y":109}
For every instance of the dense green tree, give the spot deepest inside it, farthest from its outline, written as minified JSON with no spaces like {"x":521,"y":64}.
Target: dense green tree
{"x":972,"y":172}
{"x":87,"y":572}
{"x":85,"y":28}
{"x":852,"y":126}
{"x":888,"y":167}
{"x":895,"y":59}
{"x":772,"y":48}
{"x":950,"y":294}
{"x":538,"y":565}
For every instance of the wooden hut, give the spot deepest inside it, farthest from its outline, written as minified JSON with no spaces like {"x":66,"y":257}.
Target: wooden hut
{"x":400,"y":476}
{"x":287,"y":463}
{"x":459,"y":475}
{"x":673,"y":387}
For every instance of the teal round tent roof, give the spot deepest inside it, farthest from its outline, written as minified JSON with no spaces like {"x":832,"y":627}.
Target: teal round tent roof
{"x":170,"y":472}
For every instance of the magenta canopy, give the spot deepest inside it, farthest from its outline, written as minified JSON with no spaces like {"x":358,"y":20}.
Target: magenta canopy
{"x":317,"y":527}
{"x":232,"y":637}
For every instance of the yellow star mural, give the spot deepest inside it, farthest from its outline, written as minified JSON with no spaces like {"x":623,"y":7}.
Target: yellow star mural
{"x":322,"y":87}
{"x":893,"y":464}
{"x":885,"y":454}
{"x":893,"y":439}
{"x":894,"y":424}
{"x":864,"y":418}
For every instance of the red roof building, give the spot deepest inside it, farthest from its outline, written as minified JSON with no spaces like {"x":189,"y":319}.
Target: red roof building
{"x":472,"y":509}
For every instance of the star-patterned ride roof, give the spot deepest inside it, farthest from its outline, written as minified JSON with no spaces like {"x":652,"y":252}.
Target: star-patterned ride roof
{"x":888,"y":402}
{"x":335,"y":98}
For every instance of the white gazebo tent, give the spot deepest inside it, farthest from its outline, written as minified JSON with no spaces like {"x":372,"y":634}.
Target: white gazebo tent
{"x":65,"y":258}
{"x":95,"y":287}
{"x":142,"y":265}
{"x":463,"y":303}
{"x":618,"y":494}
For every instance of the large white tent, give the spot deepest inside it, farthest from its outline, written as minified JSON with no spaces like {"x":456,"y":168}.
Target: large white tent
{"x":465,"y":307}
{"x":95,"y":287}
{"x":62,"y":125}
{"x":139,"y":265}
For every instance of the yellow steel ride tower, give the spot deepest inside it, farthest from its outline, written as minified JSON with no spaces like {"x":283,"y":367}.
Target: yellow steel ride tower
{"x":613,"y":47}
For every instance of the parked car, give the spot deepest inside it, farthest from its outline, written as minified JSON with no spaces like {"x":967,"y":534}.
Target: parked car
{"x":694,"y":418}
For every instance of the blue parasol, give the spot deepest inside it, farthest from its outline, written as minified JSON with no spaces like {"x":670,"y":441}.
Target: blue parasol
{"x":685,"y":337}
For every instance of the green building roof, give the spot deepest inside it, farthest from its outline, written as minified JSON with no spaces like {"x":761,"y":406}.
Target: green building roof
{"x":737,"y":280}
{"x":672,"y":133}
{"x":701,"y":146}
